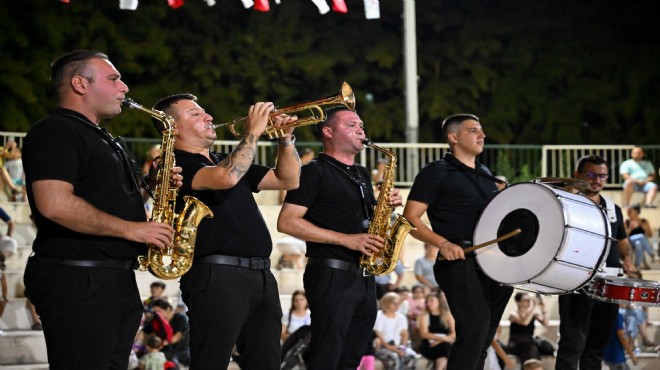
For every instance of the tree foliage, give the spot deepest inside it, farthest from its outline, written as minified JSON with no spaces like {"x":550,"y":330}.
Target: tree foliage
{"x":535,"y":71}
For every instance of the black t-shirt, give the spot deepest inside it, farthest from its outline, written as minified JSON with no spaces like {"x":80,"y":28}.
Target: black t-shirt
{"x":456,"y":195}
{"x":237,"y":228}
{"x":618,"y":232}
{"x":66,"y":146}
{"x":332,"y":193}
{"x":179,"y":323}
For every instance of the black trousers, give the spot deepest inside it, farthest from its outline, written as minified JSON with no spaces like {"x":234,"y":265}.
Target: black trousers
{"x":89,"y":315}
{"x":343,"y":306}
{"x":230,"y":305}
{"x":584,"y":327}
{"x":477,"y":304}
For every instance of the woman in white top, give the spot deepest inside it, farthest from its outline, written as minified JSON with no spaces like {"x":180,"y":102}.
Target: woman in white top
{"x":391,"y":330}
{"x":299,"y":315}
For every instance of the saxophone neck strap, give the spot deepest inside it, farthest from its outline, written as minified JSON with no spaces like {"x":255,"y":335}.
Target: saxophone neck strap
{"x":358,"y":181}
{"x":119,"y":146}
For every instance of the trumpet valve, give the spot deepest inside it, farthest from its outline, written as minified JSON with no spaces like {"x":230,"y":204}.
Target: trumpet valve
{"x":274,"y":132}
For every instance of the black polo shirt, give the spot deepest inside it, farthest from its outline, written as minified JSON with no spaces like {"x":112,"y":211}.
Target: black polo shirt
{"x":456,"y":195}
{"x":237,"y":228}
{"x":66,"y":146}
{"x":330,"y":190}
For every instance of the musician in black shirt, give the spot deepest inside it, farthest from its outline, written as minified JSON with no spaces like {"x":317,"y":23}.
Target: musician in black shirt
{"x":331,"y":211}
{"x":453,"y":191}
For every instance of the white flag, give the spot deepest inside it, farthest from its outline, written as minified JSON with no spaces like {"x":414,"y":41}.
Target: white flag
{"x":128,"y":4}
{"x":248,"y":3}
{"x":322,"y":5}
{"x":210,"y":2}
{"x":278,"y":2}
{"x":372,"y":9}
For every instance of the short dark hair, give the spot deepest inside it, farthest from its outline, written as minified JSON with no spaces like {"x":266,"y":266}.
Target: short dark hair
{"x":158,"y":284}
{"x":162,"y":303}
{"x":72,"y":64}
{"x":330,"y":115}
{"x":154,"y":342}
{"x":519,"y":296}
{"x":592,"y":158}
{"x":165,"y":105}
{"x":456,"y":119}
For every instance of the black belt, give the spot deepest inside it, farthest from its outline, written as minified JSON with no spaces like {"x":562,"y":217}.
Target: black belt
{"x":108,"y":264}
{"x":338,"y":264}
{"x":254,"y":263}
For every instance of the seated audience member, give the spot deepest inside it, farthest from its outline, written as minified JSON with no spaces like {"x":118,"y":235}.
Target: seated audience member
{"x":638,"y":175}
{"x":157,"y":289}
{"x":176,"y":349}
{"x":292,"y":253}
{"x":521,"y":331}
{"x":438,"y":332}
{"x":639,"y":230}
{"x":496,"y":356}
{"x":298,"y":316}
{"x":391,"y":330}
{"x":13,"y":162}
{"x":8,"y":245}
{"x":424,"y":266}
{"x":404,"y":300}
{"x":154,"y":359}
{"x":635,"y":321}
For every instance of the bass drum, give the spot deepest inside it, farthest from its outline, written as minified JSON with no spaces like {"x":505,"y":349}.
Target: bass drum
{"x":565,"y":239}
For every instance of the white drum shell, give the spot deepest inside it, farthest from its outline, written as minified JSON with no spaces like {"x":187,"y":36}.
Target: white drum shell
{"x":571,"y":244}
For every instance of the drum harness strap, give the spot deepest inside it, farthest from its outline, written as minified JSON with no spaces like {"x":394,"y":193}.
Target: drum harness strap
{"x":464,"y":169}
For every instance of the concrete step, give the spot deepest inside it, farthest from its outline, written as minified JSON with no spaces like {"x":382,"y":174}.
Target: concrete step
{"x":26,"y":367}
{"x":22,"y":347}
{"x":16,"y":316}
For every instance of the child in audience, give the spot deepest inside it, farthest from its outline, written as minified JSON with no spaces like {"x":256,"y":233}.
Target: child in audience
{"x":533,"y":364}
{"x":154,"y":359}
{"x":614,"y":353}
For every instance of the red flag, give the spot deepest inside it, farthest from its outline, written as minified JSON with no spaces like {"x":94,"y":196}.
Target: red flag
{"x":65,"y":1}
{"x":339,"y":6}
{"x":175,"y":4}
{"x":261,"y":5}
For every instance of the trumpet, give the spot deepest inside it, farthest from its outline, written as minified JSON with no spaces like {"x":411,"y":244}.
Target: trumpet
{"x":317,"y":114}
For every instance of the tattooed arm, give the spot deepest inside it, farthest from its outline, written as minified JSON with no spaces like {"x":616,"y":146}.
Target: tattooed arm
{"x":286,"y":174}
{"x":228,"y":172}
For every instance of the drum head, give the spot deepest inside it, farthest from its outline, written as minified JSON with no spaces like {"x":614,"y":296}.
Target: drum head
{"x":536,"y":211}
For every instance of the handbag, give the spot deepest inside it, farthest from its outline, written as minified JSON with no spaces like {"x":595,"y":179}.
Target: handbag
{"x":546,"y":348}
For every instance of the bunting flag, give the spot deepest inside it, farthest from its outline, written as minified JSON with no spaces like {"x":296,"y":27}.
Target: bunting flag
{"x":372,"y":9}
{"x":175,"y":4}
{"x":128,"y":4}
{"x":339,"y":6}
{"x":262,"y":5}
{"x":210,"y":2}
{"x":322,"y":5}
{"x":247,"y":3}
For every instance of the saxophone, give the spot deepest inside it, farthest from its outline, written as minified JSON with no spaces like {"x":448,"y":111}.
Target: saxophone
{"x":176,"y":259}
{"x":384,"y":261}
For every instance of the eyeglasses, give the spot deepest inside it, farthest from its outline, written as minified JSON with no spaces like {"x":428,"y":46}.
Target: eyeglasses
{"x":592,"y":175}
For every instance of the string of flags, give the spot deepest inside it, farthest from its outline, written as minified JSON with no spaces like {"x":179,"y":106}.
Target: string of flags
{"x":371,"y":7}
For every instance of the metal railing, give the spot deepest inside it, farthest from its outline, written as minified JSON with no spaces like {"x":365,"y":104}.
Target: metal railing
{"x":516,"y":162}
